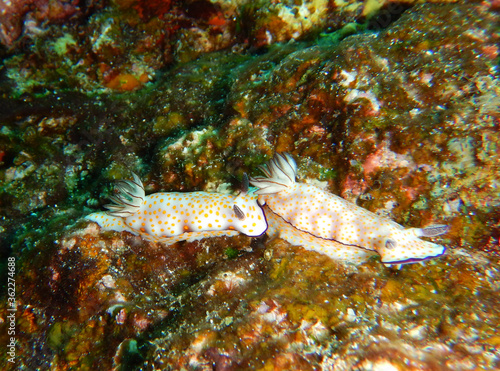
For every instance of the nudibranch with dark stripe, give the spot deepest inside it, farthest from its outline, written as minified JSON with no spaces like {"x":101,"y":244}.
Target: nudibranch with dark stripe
{"x":278,"y":227}
{"x":328,"y":217}
{"x":175,"y":216}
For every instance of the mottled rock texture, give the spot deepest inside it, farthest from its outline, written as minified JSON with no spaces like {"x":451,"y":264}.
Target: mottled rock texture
{"x":401,"y":118}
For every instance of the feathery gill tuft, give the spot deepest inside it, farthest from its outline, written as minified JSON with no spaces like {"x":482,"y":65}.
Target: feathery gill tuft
{"x":280,"y":174}
{"x":129,"y":198}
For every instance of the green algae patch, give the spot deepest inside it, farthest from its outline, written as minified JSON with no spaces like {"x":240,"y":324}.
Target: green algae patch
{"x":231,"y":253}
{"x":59,"y":335}
{"x":165,"y":125}
{"x":62,"y":44}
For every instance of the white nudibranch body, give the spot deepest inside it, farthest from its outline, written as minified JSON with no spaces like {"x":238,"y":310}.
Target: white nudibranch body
{"x":331,"y":218}
{"x":175,"y":216}
{"x":278,"y":227}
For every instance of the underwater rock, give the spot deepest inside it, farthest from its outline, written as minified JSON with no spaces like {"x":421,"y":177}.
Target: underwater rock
{"x":123,"y":46}
{"x":30,"y":17}
{"x":403,"y":121}
{"x":390,"y":120}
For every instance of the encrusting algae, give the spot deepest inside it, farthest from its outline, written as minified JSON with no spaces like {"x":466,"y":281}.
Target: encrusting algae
{"x":400,"y":118}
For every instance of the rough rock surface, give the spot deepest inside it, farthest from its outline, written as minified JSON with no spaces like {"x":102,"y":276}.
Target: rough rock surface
{"x":402,"y":120}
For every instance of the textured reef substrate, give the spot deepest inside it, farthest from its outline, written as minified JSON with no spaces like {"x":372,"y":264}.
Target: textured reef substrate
{"x":394,"y":107}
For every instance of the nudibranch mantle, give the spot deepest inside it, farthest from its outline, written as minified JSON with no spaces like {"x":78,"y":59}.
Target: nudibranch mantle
{"x":175,"y":216}
{"x":278,"y":227}
{"x":327,"y":216}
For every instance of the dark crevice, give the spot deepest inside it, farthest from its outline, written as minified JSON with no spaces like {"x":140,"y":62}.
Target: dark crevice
{"x":387,"y":15}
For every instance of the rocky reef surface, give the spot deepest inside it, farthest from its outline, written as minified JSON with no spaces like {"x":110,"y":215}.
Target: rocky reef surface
{"x":393,"y":106}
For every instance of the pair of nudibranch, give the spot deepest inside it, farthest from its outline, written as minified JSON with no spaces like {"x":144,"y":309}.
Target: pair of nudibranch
{"x":301,"y":214}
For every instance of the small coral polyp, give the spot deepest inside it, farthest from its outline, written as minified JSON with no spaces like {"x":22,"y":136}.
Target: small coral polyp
{"x":175,"y":216}
{"x":329,"y":224}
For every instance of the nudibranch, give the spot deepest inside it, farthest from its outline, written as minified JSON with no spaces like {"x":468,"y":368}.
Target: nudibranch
{"x":278,"y":227}
{"x":178,"y":216}
{"x":331,"y":218}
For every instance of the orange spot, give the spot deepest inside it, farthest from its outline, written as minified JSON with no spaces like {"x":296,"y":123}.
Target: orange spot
{"x":144,"y":78}
{"x":124,"y":82}
{"x":217,"y":20}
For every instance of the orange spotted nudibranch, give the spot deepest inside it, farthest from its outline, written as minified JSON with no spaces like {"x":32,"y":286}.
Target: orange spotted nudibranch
{"x":278,"y":227}
{"x":324,"y":222}
{"x":175,"y":216}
